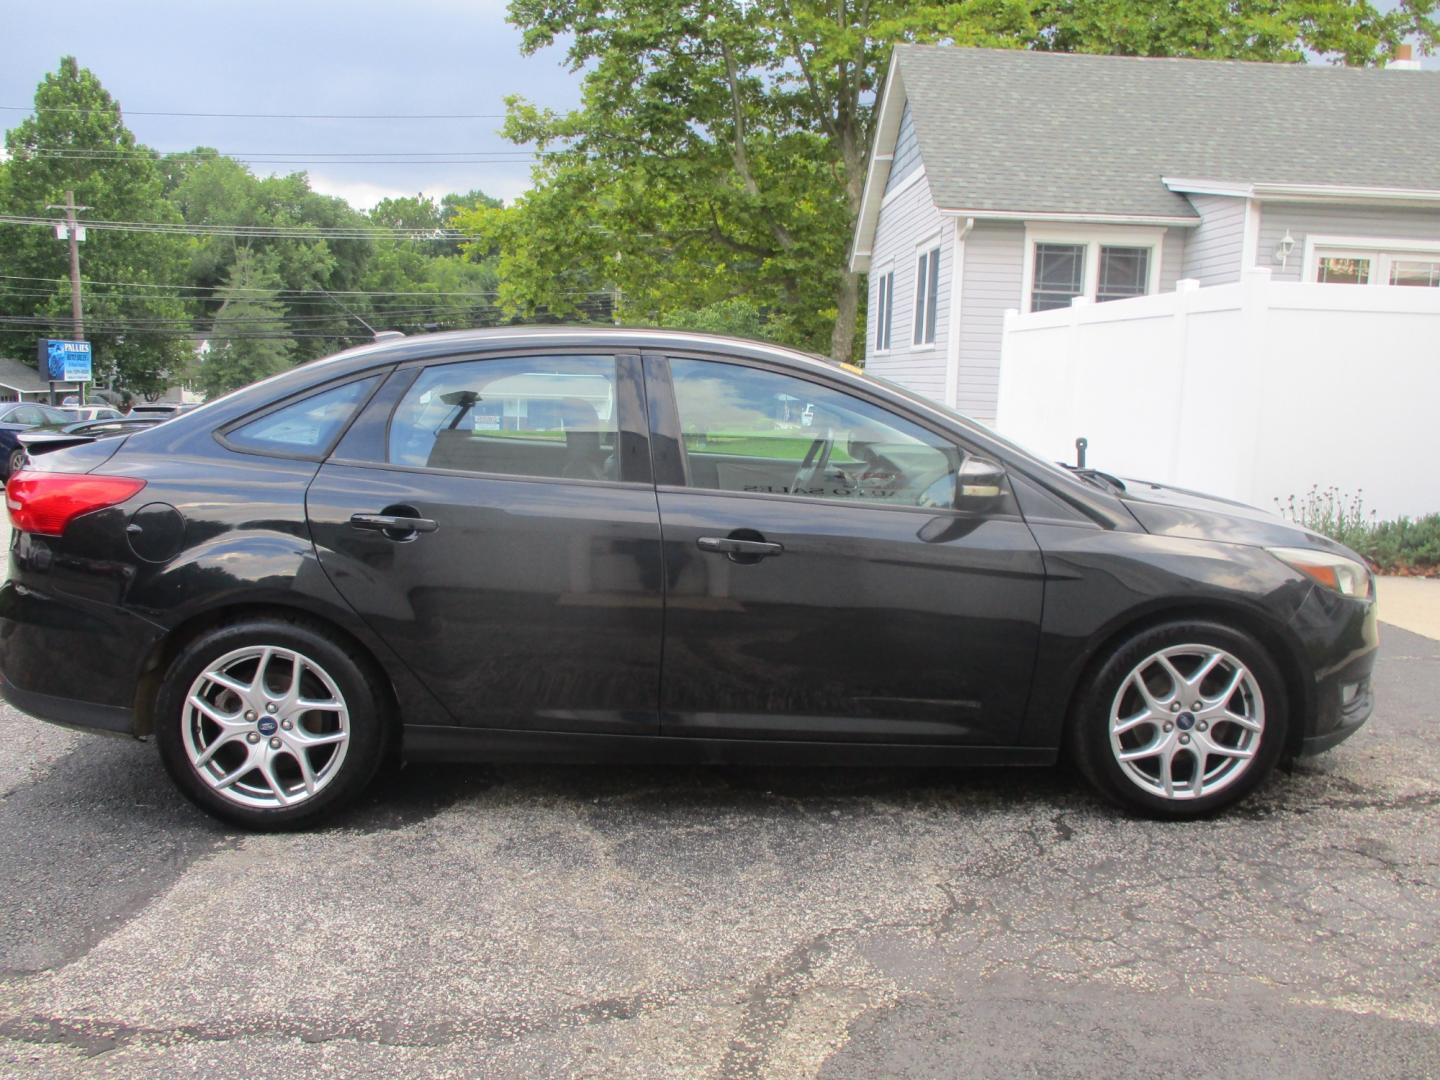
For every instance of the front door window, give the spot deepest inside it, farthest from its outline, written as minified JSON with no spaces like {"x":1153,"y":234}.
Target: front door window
{"x":749,"y":430}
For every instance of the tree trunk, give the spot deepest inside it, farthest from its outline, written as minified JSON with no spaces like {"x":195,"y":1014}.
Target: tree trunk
{"x":847,"y":301}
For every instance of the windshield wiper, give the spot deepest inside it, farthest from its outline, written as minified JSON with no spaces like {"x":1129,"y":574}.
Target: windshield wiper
{"x":1103,"y":480}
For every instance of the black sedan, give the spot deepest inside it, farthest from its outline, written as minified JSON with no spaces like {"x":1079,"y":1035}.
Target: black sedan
{"x":18,"y":416}
{"x":586,"y":545}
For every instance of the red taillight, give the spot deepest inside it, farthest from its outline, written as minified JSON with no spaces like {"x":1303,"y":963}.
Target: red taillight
{"x":44,"y":503}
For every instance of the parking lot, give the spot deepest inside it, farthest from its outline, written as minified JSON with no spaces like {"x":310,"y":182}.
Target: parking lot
{"x":529,"y":921}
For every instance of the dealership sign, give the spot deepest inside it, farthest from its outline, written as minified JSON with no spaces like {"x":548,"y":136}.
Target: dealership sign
{"x":64,"y":361}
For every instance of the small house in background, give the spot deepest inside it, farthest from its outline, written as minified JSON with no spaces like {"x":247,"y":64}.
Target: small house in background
{"x":1013,"y":180}
{"x":20,"y":381}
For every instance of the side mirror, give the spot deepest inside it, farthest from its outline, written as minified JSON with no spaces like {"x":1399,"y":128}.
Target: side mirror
{"x":980,"y":482}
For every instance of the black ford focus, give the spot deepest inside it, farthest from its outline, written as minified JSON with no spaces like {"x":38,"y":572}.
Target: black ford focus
{"x":606,"y":545}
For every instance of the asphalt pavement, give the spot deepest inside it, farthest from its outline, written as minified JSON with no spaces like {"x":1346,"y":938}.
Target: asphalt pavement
{"x":545,"y":921}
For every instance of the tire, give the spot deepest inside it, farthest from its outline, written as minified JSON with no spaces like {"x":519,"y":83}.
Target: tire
{"x":259,"y":755}
{"x":1119,"y":736}
{"x":14,"y":462}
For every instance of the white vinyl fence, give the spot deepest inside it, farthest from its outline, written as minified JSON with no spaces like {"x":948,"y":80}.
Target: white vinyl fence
{"x":1257,"y":391}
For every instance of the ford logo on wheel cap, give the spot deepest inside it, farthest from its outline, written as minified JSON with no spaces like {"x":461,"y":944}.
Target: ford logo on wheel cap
{"x":267,"y":725}
{"x":1185,"y":721}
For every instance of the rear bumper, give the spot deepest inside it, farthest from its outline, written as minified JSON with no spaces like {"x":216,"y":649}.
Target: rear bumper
{"x":67,"y":711}
{"x":71,"y":660}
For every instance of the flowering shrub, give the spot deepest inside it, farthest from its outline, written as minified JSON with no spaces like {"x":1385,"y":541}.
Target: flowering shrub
{"x":1403,"y":546}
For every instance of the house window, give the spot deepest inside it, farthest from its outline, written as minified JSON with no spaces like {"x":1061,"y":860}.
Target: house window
{"x":884,"y":309}
{"x":1096,"y":262}
{"x":927,"y":295}
{"x":1422,"y":272}
{"x":1124,"y":272}
{"x":1362,"y":261}
{"x":1340,"y":270}
{"x":1059,"y":275}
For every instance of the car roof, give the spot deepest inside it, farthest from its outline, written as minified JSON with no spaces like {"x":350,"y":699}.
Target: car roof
{"x":489,"y":339}
{"x":457,"y":343}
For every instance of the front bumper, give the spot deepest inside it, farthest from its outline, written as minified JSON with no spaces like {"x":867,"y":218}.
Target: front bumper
{"x":1347,"y":703}
{"x":1344,"y":663}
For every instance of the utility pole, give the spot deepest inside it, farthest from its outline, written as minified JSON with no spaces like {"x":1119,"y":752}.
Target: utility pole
{"x":77,"y":308}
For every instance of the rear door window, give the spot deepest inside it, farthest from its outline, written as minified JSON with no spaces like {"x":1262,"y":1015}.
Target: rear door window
{"x":532,"y":416}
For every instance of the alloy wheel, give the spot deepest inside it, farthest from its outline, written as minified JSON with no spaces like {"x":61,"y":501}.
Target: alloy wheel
{"x":266,"y":727}
{"x":1187,"y":722}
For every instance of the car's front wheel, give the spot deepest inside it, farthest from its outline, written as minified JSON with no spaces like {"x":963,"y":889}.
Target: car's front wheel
{"x":1182,"y":720}
{"x":269,"y":723}
{"x":15,"y":462}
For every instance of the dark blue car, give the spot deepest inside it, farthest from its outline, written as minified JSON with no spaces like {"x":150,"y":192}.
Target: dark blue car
{"x":18,"y":416}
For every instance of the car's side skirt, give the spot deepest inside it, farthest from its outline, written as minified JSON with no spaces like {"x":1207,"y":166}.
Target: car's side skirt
{"x":435,"y":743}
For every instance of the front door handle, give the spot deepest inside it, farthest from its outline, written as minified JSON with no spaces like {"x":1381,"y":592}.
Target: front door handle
{"x":746,"y":549}
{"x":393,"y":525}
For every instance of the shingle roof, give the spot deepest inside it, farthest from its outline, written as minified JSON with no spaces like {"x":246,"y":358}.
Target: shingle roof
{"x":1011,"y":130}
{"x":25,"y":377}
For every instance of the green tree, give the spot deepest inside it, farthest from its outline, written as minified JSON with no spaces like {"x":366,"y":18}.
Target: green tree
{"x":424,"y":285}
{"x":77,"y":141}
{"x":250,"y":338}
{"x":210,"y":189}
{"x":720,"y":147}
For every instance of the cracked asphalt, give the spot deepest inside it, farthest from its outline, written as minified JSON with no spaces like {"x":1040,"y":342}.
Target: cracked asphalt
{"x":529,"y":921}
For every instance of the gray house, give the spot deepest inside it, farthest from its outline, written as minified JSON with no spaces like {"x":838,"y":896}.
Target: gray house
{"x":1005,"y":179}
{"x":21,"y":382}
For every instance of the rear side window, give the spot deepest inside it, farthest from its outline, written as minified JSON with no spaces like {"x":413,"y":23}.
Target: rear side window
{"x":303,"y":428}
{"x":533,"y":416}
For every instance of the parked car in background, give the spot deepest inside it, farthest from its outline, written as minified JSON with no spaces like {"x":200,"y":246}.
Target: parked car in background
{"x":651,"y":560}
{"x":161,"y":408}
{"x":41,"y":439}
{"x":19,"y":416}
{"x":93,"y":412}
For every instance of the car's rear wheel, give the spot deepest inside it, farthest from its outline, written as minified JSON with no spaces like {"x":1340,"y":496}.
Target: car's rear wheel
{"x":1182,"y":720}
{"x":269,"y":723}
{"x":15,"y":462}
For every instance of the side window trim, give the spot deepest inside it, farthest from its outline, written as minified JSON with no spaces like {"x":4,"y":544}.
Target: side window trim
{"x":667,"y":449}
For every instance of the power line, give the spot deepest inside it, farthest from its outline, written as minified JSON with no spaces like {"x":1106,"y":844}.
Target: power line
{"x":295,"y":232}
{"x":143,"y":151}
{"x":281,"y":293}
{"x":281,"y":317}
{"x":312,"y":160}
{"x":261,"y":116}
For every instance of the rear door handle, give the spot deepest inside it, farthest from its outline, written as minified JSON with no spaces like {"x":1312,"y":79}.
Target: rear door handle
{"x":755,"y":549}
{"x":387,"y":523}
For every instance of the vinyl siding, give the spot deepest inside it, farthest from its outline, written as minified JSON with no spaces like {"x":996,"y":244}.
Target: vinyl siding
{"x":1213,"y":251}
{"x":994,"y":257}
{"x":905,"y":221}
{"x":1303,"y":219}
{"x":907,"y":151}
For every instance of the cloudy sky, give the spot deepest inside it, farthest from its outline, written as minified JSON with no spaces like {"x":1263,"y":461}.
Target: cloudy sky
{"x":304,"y":56}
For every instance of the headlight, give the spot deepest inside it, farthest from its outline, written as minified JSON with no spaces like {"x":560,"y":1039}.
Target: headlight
{"x":1345,"y":576}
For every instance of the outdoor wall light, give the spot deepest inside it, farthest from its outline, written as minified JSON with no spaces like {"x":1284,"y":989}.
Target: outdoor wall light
{"x":1286,"y":246}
